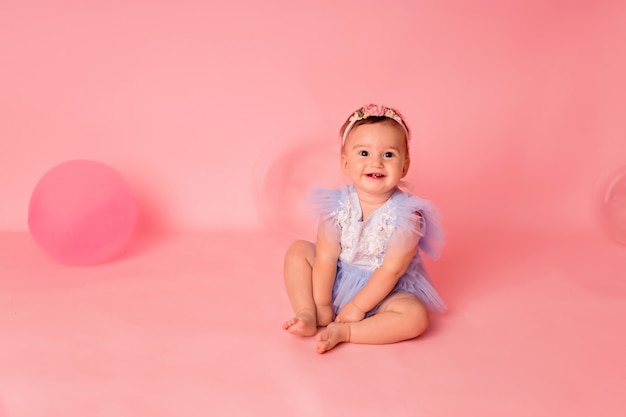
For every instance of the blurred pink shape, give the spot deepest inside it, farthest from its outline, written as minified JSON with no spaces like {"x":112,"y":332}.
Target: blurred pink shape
{"x":613,"y":207}
{"x":82,"y":212}
{"x":282,"y":197}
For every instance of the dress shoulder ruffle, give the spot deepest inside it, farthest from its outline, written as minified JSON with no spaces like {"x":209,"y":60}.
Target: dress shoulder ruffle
{"x":416,"y":215}
{"x":326,"y":201}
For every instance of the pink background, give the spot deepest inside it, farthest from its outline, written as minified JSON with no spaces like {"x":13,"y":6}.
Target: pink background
{"x":517,"y":107}
{"x":222,"y":114}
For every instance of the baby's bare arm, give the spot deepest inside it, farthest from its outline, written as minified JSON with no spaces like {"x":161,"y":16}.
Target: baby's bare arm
{"x":397,"y":259}
{"x":383,"y":280}
{"x":378,"y":287}
{"x":327,"y":250}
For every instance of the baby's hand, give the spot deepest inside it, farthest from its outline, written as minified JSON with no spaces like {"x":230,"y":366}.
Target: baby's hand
{"x":324,"y":315}
{"x":350,"y":313}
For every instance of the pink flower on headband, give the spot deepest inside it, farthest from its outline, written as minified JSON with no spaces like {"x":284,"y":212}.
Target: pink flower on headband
{"x":377,"y":110}
{"x":373,"y":110}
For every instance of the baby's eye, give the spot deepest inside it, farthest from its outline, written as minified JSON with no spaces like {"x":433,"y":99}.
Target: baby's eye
{"x":364,"y":153}
{"x":388,"y":154}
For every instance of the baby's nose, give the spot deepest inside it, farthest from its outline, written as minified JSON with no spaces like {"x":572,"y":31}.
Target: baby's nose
{"x":377,"y":160}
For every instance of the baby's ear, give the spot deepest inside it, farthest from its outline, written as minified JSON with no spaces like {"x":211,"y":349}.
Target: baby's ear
{"x":344,"y":163}
{"x":405,"y":168}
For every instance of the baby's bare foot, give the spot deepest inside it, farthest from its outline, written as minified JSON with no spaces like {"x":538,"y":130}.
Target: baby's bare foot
{"x":303,"y":324}
{"x":332,"y":335}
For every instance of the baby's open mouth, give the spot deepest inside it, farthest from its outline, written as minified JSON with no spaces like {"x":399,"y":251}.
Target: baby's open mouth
{"x":375,"y":175}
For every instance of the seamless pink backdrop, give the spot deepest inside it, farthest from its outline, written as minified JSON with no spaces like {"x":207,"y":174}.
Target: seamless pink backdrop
{"x":221,"y":115}
{"x":517,"y":107}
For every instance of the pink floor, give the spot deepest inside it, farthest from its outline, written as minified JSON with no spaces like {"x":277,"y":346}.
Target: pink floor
{"x":189,"y":325}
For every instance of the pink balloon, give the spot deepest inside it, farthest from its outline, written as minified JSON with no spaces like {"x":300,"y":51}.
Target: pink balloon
{"x":82,"y":212}
{"x":613,"y":208}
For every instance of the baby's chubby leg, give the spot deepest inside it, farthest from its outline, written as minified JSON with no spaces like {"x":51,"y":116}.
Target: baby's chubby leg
{"x":298,"y":273}
{"x":401,"y":317}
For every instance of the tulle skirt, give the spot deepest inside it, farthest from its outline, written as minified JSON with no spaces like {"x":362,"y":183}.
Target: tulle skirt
{"x":351,"y":279}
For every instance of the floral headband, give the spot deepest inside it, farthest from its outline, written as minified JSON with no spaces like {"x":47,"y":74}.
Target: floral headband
{"x":376,"y":110}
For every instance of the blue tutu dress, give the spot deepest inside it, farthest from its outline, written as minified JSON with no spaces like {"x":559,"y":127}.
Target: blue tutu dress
{"x":364,"y":243}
